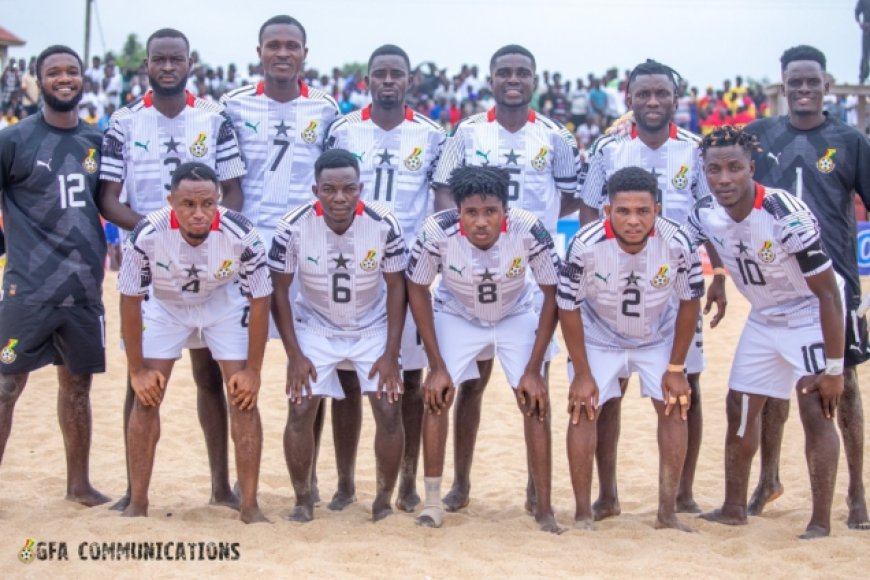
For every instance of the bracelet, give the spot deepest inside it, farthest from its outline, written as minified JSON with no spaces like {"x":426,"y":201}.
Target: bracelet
{"x":720,"y":271}
{"x":675,"y":368}
{"x":834,"y":366}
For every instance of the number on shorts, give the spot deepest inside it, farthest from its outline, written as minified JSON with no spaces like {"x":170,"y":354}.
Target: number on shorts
{"x":750,"y":272}
{"x":814,"y":358}
{"x":246,"y":316}
{"x":340,"y":294}
{"x":486,"y":293}
{"x":630,"y":297}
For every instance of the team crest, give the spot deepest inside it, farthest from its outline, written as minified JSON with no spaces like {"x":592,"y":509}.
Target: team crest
{"x":25,"y":554}
{"x":225,"y":271}
{"x":826,"y":164}
{"x":661,"y":279}
{"x":517,"y":268}
{"x":369,"y":264}
{"x":413,"y":161}
{"x":766,"y":253}
{"x":199,"y":148}
{"x":8,"y":355}
{"x":681,"y":179}
{"x":309,"y":134}
{"x":90,"y":162}
{"x":539,"y":161}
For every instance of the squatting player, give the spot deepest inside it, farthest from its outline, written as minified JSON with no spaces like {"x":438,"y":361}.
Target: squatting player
{"x":483,"y":251}
{"x":618,"y":316}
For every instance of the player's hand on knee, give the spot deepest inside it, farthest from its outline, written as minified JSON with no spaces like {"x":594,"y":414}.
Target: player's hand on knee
{"x":149,"y":385}
{"x":300,"y":373}
{"x":716,"y":295}
{"x":437,"y":390}
{"x":244,"y":389}
{"x":676,"y":391}
{"x":829,"y":387}
{"x":532,"y":395}
{"x":389,"y":377}
{"x":582,"y":396}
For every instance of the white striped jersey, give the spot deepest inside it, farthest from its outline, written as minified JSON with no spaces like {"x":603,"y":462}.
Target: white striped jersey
{"x":542,"y":159}
{"x":396,"y":166}
{"x":768,"y":254}
{"x":484,"y":286}
{"x":280,"y":143}
{"x":158,"y":260}
{"x":142,"y":148}
{"x":676,"y":164}
{"x":627,"y":300}
{"x":341,"y":284}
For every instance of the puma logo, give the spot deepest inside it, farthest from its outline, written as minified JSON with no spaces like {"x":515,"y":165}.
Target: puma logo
{"x":774,"y":157}
{"x":142,"y":145}
{"x":46,"y":164}
{"x":251,"y":126}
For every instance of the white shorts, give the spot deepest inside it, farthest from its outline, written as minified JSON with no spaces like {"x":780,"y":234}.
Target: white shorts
{"x":461,"y":341}
{"x":608,"y":366}
{"x":413,"y":352}
{"x":328,"y":353}
{"x":221,"y":324}
{"x":770,"y":359}
{"x":695,"y":362}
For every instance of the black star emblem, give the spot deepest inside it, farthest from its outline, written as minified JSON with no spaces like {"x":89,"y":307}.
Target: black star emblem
{"x":655,"y":173}
{"x":631,"y":279}
{"x":742,"y":248}
{"x":172,"y":145}
{"x":193,"y":271}
{"x":341,"y":261}
{"x":385,"y":157}
{"x":282,"y":129}
{"x":487,"y":275}
{"x":512,"y":157}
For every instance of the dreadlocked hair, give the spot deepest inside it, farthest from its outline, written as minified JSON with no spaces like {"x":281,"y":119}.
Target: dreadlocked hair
{"x":728,"y":135}
{"x":652,"y":67}
{"x":469,"y":180}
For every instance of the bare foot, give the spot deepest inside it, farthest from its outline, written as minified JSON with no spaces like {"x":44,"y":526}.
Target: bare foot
{"x":456,"y":499}
{"x":122,"y":502}
{"x":687,"y":506}
{"x":341,"y":500}
{"x":253,"y":516}
{"x":858,"y":519}
{"x":381,"y":509}
{"x":301,"y":513}
{"x":814,"y":532}
{"x":134,"y":511}
{"x":407,"y":500}
{"x":584,"y":524}
{"x":672,"y":523}
{"x":226,"y":498}
{"x":547,"y":523}
{"x":763,"y":495}
{"x":722,"y":516}
{"x":88,"y":497}
{"x":603,"y":509}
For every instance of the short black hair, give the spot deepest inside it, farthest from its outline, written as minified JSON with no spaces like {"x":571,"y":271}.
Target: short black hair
{"x":392,"y":50}
{"x":56,"y":49}
{"x":802,"y":52}
{"x":193,"y":171}
{"x":283,"y":19}
{"x":632,"y":179}
{"x":652,"y":67}
{"x":468,"y":180}
{"x":335,"y":159}
{"x":512,"y":49}
{"x":728,"y":135}
{"x":166,"y":33}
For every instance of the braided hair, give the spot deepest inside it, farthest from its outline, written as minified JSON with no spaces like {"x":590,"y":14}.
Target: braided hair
{"x":728,"y":135}
{"x":469,"y":180}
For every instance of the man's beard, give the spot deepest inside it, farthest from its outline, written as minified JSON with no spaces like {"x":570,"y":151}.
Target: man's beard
{"x":168,"y":91}
{"x":60,"y":106}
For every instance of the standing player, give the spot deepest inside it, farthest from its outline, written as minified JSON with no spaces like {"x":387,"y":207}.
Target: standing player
{"x":397,"y":149}
{"x":350,"y":259}
{"x":542,"y":159}
{"x":484,"y":301}
{"x":794,"y":334}
{"x":51,"y":309}
{"x":145,"y":143}
{"x":822,"y":162}
{"x":657,"y":145}
{"x":616,"y":307}
{"x":213,"y":259}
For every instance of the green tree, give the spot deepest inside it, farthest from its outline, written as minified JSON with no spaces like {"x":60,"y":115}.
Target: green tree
{"x":132,"y":54}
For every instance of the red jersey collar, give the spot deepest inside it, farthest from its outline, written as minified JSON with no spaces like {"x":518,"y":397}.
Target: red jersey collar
{"x":148,"y":99}
{"x":490,"y":115}
{"x":215,"y":224}
{"x":261,"y":88}
{"x":366,"y":113}
{"x":672,"y":131}
{"x":759,"y":196}
{"x":610,"y":234}
{"x":318,"y":208}
{"x":504,"y":226}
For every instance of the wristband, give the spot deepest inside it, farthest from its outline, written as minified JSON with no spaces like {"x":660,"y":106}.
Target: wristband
{"x":720,"y":271}
{"x":675,"y":368}
{"x":834,"y":366}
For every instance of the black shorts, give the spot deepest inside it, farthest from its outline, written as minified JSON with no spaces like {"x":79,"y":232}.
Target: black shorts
{"x":857,"y":349}
{"x":34,"y":336}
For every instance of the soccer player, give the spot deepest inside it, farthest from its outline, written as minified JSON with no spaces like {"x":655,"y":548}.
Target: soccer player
{"x":397,"y":149}
{"x":794,"y":335}
{"x":146,"y":141}
{"x":542,"y":159}
{"x":350,"y":259}
{"x":657,"y":145}
{"x":822,"y":162}
{"x":197,"y":263}
{"x":616,"y":298}
{"x":51,"y":309}
{"x":484,"y":301}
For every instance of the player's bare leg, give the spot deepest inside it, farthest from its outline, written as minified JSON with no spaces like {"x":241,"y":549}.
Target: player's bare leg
{"x":435,"y":427}
{"x":822,"y":449}
{"x":143,"y":432}
{"x":539,"y":455}
{"x":319,"y":421}
{"x":466,"y":422}
{"x":412,"y":421}
{"x":744,"y":412}
{"x":581,"y":441}
{"x":531,"y":495}
{"x":609,"y":419}
{"x":346,"y":426}
{"x":389,"y":444}
{"x":673,"y":438}
{"x":74,"y":416}
{"x":299,"y":452}
{"x":11,"y":387}
{"x":124,"y":500}
{"x":772,"y":426}
{"x":685,"y":496}
{"x":850,"y":417}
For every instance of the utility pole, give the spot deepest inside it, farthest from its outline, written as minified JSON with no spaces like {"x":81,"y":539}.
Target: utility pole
{"x":87,"y":58}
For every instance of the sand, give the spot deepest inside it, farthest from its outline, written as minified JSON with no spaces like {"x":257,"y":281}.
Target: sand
{"x":492,"y":537}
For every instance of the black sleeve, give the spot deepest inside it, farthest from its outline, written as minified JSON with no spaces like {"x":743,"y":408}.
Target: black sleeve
{"x":862,"y":170}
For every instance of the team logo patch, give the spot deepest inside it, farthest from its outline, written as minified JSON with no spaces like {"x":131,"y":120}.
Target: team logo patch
{"x":25,"y":554}
{"x":413,"y":161}
{"x":516,"y":269}
{"x":369,"y":264}
{"x":309,"y":134}
{"x":766,"y":253}
{"x":681,"y":179}
{"x":826,"y":164}
{"x":199,"y":148}
{"x":90,"y":162}
{"x":539,"y":161}
{"x":7,"y":355}
{"x":661,"y":279}
{"x":225,"y":271}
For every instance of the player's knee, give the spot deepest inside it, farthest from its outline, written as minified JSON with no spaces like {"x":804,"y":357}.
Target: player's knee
{"x":10,"y":389}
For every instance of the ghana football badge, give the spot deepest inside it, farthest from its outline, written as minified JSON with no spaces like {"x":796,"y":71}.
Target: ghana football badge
{"x":199,"y":148}
{"x":681,"y":179}
{"x":369,"y":264}
{"x":539,"y":161}
{"x":225,"y":271}
{"x":90,"y":162}
{"x":27,"y":553}
{"x":413,"y":161}
{"x":661,"y":279}
{"x":516,"y":269}
{"x":766,"y":253}
{"x":309,"y":134}
{"x":8,"y":355}
{"x":826,"y":164}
